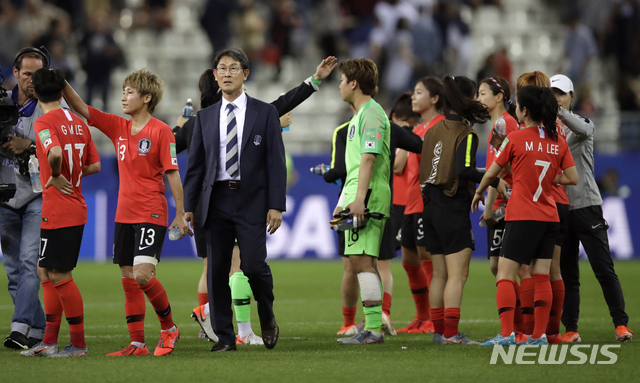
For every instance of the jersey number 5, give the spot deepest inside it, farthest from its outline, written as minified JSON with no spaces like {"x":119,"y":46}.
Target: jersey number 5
{"x":545,"y":167}
{"x":69,"y":150}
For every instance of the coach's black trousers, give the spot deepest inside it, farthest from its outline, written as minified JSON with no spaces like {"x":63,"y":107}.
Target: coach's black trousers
{"x":587,"y":226}
{"x":225,"y":224}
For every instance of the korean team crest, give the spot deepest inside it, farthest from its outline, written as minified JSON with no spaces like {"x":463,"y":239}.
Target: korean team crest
{"x":144,"y":145}
{"x":352,"y":131}
{"x":257,"y":140}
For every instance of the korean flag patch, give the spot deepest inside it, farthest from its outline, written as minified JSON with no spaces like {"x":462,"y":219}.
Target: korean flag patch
{"x":370,"y":145}
{"x":47,"y":142}
{"x":174,"y":161}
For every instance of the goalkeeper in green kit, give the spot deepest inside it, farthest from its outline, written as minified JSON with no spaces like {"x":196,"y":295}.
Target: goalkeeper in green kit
{"x":366,"y":187}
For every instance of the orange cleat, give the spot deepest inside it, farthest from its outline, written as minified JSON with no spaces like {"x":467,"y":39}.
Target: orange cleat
{"x":131,"y":350}
{"x":423,"y":328}
{"x":413,"y":325}
{"x":167,"y":342}
{"x":348,"y":330}
{"x":554,"y":339}
{"x":623,"y":333}
{"x":571,"y":337}
{"x":521,"y":337}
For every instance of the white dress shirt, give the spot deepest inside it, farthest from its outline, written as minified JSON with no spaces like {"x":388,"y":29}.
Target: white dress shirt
{"x":240,"y":109}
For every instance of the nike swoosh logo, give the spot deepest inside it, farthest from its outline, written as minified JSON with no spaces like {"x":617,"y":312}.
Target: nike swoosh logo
{"x":122,"y":139}
{"x":37,"y":352}
{"x":351,"y":244}
{"x":40,"y":259}
{"x":595,"y":226}
{"x":420,"y":237}
{"x":142,"y":248}
{"x":495,"y":248}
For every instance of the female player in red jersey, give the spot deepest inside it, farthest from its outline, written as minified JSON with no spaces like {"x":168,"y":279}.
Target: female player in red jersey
{"x":531,"y":230}
{"x":495,"y":95}
{"x":427,"y":100}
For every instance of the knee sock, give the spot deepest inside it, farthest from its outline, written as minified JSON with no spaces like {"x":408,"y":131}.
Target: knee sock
{"x":157,"y":296}
{"x":73,"y":310}
{"x":419,"y":289}
{"x":437,"y":316}
{"x":542,"y":303}
{"x":53,"y":312}
{"x":527,"y":289}
{"x":451,"y":320}
{"x":427,"y":265}
{"x":241,"y":298}
{"x":506,"y":301}
{"x":386,"y":304}
{"x":557,"y":288}
{"x":371,"y":290}
{"x":134,"y":308}
{"x":517,"y":314}
{"x":349,"y":314}
{"x":203,"y":298}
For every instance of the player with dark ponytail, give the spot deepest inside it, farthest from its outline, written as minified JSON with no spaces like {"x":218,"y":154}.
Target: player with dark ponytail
{"x":538,"y":160}
{"x":457,"y":100}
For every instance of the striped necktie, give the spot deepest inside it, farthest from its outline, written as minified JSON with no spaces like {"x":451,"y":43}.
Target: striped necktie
{"x":232,"y":142}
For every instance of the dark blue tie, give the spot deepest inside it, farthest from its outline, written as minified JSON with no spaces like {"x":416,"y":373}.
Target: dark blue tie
{"x":232,"y":142}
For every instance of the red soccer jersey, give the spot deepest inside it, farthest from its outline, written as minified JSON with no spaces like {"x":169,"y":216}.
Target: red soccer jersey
{"x":400,"y":186}
{"x":512,"y":126}
{"x":414,"y":195}
{"x":535,"y":160}
{"x":143,"y":159}
{"x":64,"y":129}
{"x":558,"y":192}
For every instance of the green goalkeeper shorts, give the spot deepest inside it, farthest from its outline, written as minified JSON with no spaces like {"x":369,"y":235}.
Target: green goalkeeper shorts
{"x":365,"y":240}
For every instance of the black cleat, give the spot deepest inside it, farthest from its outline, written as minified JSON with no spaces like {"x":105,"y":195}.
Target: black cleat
{"x":18,"y":341}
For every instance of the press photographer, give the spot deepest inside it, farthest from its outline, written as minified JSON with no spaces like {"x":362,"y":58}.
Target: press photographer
{"x":20,"y":216}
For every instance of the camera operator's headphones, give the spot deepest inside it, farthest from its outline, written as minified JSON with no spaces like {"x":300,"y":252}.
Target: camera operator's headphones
{"x":42,"y":52}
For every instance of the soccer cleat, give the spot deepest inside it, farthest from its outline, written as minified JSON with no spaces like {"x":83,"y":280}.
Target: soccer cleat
{"x":623,"y":333}
{"x":167,"y":342}
{"x":438,"y":339}
{"x":387,"y":326}
{"x":251,"y":339}
{"x":571,"y":337}
{"x":348,"y":330}
{"x":131,"y":350}
{"x":41,"y":349}
{"x":500,"y":340}
{"x":542,"y":341}
{"x":18,"y":341}
{"x":202,"y":335}
{"x":413,"y":325}
{"x":204,"y":321}
{"x":522,"y":337}
{"x":71,"y":350}
{"x":459,"y":338}
{"x":364,"y":337}
{"x":554,"y":339}
{"x":423,"y":328}
{"x":360,"y":327}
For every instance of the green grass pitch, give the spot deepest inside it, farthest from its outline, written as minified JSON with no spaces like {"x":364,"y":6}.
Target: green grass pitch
{"x":308,"y":310}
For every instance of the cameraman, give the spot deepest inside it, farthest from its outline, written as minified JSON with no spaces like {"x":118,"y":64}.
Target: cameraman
{"x":20,"y":216}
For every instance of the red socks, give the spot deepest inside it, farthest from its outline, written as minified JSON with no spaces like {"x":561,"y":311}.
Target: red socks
{"x":73,"y":310}
{"x":427,"y":265}
{"x":158,"y":298}
{"x":203,"y":298}
{"x":53,"y":311}
{"x":437,"y":316}
{"x":517,"y":314}
{"x":451,"y":319}
{"x":386,"y":304}
{"x":557,"y":288}
{"x":134,"y":308}
{"x":349,"y":315}
{"x":506,"y":300}
{"x":419,"y":289}
{"x":527,"y":290}
{"x":542,"y":303}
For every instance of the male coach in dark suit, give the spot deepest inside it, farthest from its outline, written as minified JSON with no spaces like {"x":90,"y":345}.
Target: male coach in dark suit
{"x":237,"y":172}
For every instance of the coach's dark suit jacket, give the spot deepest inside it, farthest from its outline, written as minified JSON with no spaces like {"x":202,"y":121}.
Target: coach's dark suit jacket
{"x":239,"y":214}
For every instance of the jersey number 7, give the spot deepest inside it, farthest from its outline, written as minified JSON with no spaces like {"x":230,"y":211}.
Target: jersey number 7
{"x":545,"y":167}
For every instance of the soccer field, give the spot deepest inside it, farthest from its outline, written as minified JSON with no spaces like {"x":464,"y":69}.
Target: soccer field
{"x":308,"y":310}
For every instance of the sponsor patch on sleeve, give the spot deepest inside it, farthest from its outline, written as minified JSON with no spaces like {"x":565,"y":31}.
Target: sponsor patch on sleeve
{"x":504,"y":143}
{"x":44,"y":135}
{"x":172,"y":147}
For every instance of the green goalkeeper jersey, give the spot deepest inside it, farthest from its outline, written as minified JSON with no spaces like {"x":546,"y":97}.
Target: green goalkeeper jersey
{"x":369,"y":132}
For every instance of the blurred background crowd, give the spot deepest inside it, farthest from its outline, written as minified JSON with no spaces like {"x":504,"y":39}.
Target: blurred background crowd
{"x":97,"y":42}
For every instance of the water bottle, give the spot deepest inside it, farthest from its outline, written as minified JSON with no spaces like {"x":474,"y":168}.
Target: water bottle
{"x":348,"y":224}
{"x":34,"y":172}
{"x":318,"y":169}
{"x":174,"y":234}
{"x":500,"y":212}
{"x":187,"y":111}
{"x":500,"y":126}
